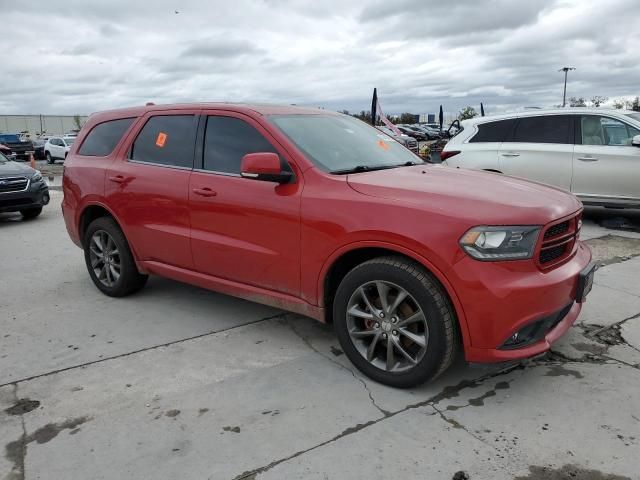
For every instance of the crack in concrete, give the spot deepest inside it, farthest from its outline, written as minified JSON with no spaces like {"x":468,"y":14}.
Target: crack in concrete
{"x":357,"y":377}
{"x":141,"y":350}
{"x":446,"y":393}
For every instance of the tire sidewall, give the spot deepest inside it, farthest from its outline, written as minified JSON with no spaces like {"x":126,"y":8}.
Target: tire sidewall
{"x":127,"y":266}
{"x":430,"y":364}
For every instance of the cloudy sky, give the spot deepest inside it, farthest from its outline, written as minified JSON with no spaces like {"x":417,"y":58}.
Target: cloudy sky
{"x":79,"y":56}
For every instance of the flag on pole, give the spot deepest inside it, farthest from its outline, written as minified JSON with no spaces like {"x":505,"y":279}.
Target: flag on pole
{"x":376,"y":110}
{"x":481,"y":109}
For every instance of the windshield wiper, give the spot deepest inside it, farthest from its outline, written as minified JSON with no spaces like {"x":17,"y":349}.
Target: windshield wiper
{"x":363,"y":168}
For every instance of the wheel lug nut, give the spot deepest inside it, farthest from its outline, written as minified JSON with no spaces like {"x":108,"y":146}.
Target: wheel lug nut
{"x":384,"y":335}
{"x":377,"y":325}
{"x":395,"y":333}
{"x":394,"y":320}
{"x":381,"y":314}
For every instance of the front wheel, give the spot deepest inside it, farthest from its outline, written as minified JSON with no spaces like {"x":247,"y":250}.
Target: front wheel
{"x":49,"y":158}
{"x":394,"y":322}
{"x":109,"y":259}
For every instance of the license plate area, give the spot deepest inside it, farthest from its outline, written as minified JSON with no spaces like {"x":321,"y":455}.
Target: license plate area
{"x":585,"y":282}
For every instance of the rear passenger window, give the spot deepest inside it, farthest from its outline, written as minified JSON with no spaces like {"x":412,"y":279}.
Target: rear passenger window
{"x":227,"y":140}
{"x":104,"y":137}
{"x":493,"y":131}
{"x":166,"y":140}
{"x":544,"y":129}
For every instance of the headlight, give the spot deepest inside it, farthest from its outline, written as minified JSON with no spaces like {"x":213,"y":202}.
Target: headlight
{"x":36,"y":178}
{"x":500,"y":243}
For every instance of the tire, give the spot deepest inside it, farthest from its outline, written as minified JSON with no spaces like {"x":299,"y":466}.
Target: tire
{"x":31,"y":213}
{"x":50,"y":159}
{"x":128,"y":280}
{"x":437,"y":327}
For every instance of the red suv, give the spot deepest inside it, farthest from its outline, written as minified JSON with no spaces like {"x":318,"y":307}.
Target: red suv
{"x":320,"y":214}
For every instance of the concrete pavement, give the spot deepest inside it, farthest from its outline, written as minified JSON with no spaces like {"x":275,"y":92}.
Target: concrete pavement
{"x":178,"y":382}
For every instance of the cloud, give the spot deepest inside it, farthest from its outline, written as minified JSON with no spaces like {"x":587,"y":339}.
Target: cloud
{"x":103,"y":55}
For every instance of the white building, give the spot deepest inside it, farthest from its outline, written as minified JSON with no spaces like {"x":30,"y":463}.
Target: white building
{"x":40,"y":124}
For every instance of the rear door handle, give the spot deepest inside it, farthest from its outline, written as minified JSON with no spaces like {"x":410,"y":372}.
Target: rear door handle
{"x":118,"y":179}
{"x":510,"y":154}
{"x":588,"y":159}
{"x":205,"y":192}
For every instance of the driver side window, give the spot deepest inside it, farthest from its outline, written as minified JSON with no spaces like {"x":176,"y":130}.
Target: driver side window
{"x":598,"y":130}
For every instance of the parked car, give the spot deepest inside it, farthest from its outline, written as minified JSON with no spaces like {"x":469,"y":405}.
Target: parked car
{"x":413,"y":132}
{"x":38,"y":148}
{"x":405,"y":140}
{"x":19,"y":146}
{"x":6,"y":151}
{"x":429,"y":132}
{"x":313,"y":212}
{"x":57,"y":148}
{"x":593,"y":153}
{"x":22,"y":189}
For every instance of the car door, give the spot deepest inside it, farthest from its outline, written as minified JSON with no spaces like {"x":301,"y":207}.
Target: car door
{"x":605,"y":164}
{"x":243,"y":230}
{"x":540,"y":148}
{"x":147,"y":186}
{"x":57,"y":150}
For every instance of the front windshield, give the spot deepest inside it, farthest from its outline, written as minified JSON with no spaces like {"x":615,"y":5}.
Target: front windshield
{"x":635,"y":116}
{"x":3,"y":159}
{"x":338,"y":143}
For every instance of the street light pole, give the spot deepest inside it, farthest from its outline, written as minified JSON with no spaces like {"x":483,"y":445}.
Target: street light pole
{"x":564,"y":94}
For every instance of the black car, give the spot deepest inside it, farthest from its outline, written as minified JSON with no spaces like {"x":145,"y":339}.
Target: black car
{"x":38,"y":149}
{"x":415,"y":133}
{"x":22,"y":189}
{"x":20,"y":148}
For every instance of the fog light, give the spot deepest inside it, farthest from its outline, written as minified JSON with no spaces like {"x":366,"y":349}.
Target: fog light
{"x":45,"y":199}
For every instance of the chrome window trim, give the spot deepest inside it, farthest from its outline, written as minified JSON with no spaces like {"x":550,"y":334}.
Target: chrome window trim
{"x":175,"y":167}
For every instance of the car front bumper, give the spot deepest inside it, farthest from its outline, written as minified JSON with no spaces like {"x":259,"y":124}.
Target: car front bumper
{"x":502,"y":298}
{"x":37,"y":195}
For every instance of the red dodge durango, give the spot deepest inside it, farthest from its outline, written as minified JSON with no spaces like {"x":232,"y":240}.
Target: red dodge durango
{"x":318,"y":213}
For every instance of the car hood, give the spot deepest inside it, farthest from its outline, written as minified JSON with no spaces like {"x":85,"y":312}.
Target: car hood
{"x":15,"y":168}
{"x":481,"y":197}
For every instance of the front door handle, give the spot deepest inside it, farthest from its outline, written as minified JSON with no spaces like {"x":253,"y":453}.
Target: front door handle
{"x":510,"y":154}
{"x":588,"y":159}
{"x":205,"y":192}
{"x":118,"y":179}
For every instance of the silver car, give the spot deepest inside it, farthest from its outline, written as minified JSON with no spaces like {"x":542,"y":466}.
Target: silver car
{"x":591,"y":152}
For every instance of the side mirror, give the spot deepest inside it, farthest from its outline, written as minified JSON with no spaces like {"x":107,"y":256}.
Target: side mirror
{"x":264,"y":166}
{"x":635,"y":141}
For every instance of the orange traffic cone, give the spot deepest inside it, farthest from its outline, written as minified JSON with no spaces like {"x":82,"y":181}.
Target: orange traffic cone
{"x":32,"y":161}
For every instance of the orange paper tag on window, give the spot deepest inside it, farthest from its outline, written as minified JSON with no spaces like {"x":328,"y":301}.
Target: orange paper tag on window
{"x":383,"y":145}
{"x":161,"y":140}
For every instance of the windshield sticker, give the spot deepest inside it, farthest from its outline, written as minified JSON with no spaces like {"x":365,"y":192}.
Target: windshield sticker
{"x":161,"y":139}
{"x":383,"y":145}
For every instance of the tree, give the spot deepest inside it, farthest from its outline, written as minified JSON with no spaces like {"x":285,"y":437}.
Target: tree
{"x":598,"y":100}
{"x":577,"y":102}
{"x":618,"y":104}
{"x":467,"y":113}
{"x":634,"y":104}
{"x":346,"y":112}
{"x":77,"y":121}
{"x":407,"y":118}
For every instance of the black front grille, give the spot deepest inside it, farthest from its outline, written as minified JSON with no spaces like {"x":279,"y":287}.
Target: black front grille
{"x":557,"y":230}
{"x":13,"y":184}
{"x":15,"y":202}
{"x":550,"y":254}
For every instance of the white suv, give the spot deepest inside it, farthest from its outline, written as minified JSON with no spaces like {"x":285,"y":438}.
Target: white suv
{"x":57,"y":148}
{"x":593,"y":153}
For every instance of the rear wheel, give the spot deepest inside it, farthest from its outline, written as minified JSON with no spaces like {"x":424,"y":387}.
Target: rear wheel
{"x":30,"y":213}
{"x":109,"y":259}
{"x":394,"y":322}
